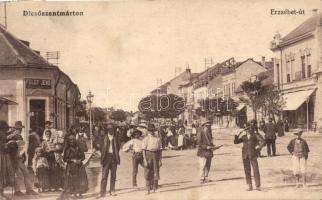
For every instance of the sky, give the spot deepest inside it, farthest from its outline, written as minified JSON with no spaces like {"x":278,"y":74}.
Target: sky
{"x":119,"y":49}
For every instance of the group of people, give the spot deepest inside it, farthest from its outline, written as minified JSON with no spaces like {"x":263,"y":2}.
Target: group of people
{"x":57,"y":159}
{"x":54,"y":157}
{"x":253,"y":142}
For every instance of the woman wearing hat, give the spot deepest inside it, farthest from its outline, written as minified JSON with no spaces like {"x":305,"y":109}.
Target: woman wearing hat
{"x":6,"y":169}
{"x":299,"y":149}
{"x":152,"y":155}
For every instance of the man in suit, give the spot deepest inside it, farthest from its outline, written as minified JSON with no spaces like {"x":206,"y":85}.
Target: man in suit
{"x":110,"y":158}
{"x":205,"y":148}
{"x":270,"y":137}
{"x":251,"y":145}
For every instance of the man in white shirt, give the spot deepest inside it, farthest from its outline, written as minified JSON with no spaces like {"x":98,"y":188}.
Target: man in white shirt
{"x":135,"y":145}
{"x":110,"y":158}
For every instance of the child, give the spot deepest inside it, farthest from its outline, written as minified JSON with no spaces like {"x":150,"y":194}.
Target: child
{"x":41,"y":169}
{"x":299,"y":149}
{"x":135,"y":145}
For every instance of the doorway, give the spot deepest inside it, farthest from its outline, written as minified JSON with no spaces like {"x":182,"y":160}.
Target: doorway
{"x":38,"y":114}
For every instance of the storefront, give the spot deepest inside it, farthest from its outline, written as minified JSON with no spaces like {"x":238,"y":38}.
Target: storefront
{"x":33,"y":90}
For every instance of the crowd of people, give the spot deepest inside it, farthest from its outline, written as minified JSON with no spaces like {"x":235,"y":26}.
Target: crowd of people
{"x":57,"y":158}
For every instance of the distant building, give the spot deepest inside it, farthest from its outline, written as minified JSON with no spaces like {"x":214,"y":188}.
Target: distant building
{"x":31,"y":89}
{"x":297,"y":72}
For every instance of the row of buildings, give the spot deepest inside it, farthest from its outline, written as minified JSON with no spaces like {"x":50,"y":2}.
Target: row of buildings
{"x":295,"y":70}
{"x":31,"y":89}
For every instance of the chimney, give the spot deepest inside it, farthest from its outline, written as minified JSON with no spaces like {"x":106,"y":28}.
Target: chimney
{"x":263,"y":61}
{"x":314,"y":11}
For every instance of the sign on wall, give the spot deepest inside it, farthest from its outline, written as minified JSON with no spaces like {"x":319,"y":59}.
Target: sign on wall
{"x":38,"y":83}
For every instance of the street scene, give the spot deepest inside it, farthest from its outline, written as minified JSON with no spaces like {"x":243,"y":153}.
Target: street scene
{"x":161,"y":100}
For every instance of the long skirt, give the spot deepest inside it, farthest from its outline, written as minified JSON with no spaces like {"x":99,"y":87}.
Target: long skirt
{"x":7,"y":173}
{"x":56,"y":173}
{"x":75,"y":179}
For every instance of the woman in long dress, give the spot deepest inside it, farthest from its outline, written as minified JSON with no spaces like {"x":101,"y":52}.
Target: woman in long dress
{"x":7,"y":174}
{"x":76,"y":181}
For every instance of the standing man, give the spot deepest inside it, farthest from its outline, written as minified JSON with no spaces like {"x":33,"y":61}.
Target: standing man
{"x":270,"y":137}
{"x":251,"y":145}
{"x":110,"y":158}
{"x":299,"y":149}
{"x":205,"y":148}
{"x":135,"y":145}
{"x":152,"y":154}
{"x":18,"y":161}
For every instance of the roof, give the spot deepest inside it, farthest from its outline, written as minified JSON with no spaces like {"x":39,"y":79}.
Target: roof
{"x":14,"y":51}
{"x":308,"y":26}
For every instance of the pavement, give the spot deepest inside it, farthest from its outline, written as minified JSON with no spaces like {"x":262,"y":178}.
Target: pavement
{"x":180,"y":180}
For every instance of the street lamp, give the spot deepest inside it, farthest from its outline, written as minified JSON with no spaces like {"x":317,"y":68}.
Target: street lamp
{"x":89,"y":98}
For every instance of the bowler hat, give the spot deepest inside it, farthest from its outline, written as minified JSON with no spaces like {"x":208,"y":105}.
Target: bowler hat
{"x":18,"y":125}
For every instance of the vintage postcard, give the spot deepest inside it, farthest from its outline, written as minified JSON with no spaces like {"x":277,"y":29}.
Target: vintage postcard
{"x":161,"y":99}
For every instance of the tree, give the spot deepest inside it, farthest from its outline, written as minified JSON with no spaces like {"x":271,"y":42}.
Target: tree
{"x":99,"y":114}
{"x":255,"y":95}
{"x":118,"y":115}
{"x":164,"y":106}
{"x":264,"y":97}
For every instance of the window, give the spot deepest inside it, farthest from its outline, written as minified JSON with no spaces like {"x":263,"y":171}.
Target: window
{"x":278,"y":75}
{"x":288,"y":71}
{"x":309,"y":68}
{"x":303,"y":66}
{"x":288,"y":78}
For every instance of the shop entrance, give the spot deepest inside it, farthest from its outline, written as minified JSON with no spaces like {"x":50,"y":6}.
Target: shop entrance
{"x":37,"y":114}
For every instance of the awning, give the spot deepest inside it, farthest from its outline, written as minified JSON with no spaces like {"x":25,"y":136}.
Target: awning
{"x":7,"y":101}
{"x":295,"y":99}
{"x":240,"y":106}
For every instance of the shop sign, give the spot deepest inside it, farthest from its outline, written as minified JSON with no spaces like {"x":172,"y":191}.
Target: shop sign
{"x":38,"y":83}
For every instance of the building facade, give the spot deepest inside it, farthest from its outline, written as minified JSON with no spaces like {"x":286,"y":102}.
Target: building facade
{"x":297,"y":72}
{"x":40,"y":91}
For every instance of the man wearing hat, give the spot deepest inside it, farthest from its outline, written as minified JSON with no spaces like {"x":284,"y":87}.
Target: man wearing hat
{"x":205,"y":147}
{"x":18,"y":161}
{"x":299,"y":149}
{"x":110,"y":158}
{"x":252,"y":143}
{"x":135,"y":145}
{"x":270,"y":137}
{"x":152,"y":155}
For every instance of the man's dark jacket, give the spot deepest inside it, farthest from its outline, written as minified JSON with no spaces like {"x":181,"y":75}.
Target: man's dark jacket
{"x":105,"y":144}
{"x":249,"y":145}
{"x":290,"y":147}
{"x":204,"y":139}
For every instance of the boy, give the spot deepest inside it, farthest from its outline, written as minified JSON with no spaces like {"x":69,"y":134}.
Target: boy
{"x":299,"y":149}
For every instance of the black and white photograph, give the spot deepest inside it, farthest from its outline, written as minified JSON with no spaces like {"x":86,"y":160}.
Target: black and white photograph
{"x":161,"y":99}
